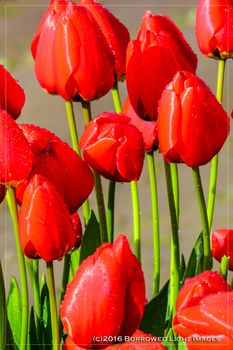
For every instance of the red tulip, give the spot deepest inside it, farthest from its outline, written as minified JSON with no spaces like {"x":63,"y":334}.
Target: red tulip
{"x":199,"y":287}
{"x":209,"y":324}
{"x":113,"y":147}
{"x":2,"y":193}
{"x":12,"y":97}
{"x":115,"y":32}
{"x":192,"y":124}
{"x":69,"y":61}
{"x":139,"y":341}
{"x":214,"y":28}
{"x":116,"y":274}
{"x":55,"y":160}
{"x":147,"y":128}
{"x":159,"y":51}
{"x":222,"y":244}
{"x":15,"y":152}
{"x":45,"y":225}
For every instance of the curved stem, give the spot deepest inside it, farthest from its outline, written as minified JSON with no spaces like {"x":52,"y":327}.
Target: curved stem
{"x":155,"y":220}
{"x":98,"y":184}
{"x":74,"y":140}
{"x":214,"y":162}
{"x":110,"y":211}
{"x":175,"y":248}
{"x":136,"y":219}
{"x":207,"y":265}
{"x":53,"y":305}
{"x":11,"y":201}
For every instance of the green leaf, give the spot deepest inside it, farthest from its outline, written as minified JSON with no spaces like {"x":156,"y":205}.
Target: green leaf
{"x":3,"y":325}
{"x":14,"y":312}
{"x":181,"y":345}
{"x":195,"y":262}
{"x":33,"y":338}
{"x":91,"y":238}
{"x":45,"y":314}
{"x":154,"y":318}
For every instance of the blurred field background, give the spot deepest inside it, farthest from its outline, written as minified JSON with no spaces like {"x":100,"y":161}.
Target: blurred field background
{"x":18,"y":22}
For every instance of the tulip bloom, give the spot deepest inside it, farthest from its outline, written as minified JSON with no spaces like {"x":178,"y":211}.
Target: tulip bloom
{"x":147,"y":128}
{"x":115,"y":32}
{"x":214,"y":28}
{"x":55,"y":160}
{"x":12,"y":97}
{"x":207,"y":324}
{"x":127,"y":345}
{"x":2,"y":193}
{"x":45,"y":225}
{"x":159,"y":51}
{"x":69,"y":61}
{"x":15,"y":152}
{"x":192,"y":124}
{"x":199,"y":287}
{"x":222,"y":244}
{"x":113,"y":147}
{"x":116,"y":274}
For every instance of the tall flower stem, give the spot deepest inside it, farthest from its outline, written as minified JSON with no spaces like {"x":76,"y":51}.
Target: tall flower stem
{"x":112,"y":184}
{"x":224,"y":266}
{"x":207,"y":264}
{"x":214,"y":162}
{"x":155,"y":220}
{"x":136,"y":219}
{"x":11,"y":201}
{"x":175,"y":248}
{"x":74,"y":140}
{"x":53,"y":306}
{"x":98,"y":183}
{"x":175,"y":186}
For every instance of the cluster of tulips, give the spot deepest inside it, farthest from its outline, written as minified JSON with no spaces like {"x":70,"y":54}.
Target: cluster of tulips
{"x":81,"y":51}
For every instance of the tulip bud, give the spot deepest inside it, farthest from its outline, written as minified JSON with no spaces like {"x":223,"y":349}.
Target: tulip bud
{"x":12,"y":97}
{"x":45,"y":225}
{"x":15,"y":152}
{"x":116,"y":274}
{"x":222,"y":244}
{"x":214,"y":28}
{"x":186,"y":110}
{"x":113,"y":147}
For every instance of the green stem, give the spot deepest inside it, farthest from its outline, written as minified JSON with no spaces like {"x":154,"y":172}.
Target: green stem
{"x":136,"y":219}
{"x":207,"y":265}
{"x":175,"y":186}
{"x":214,"y":162}
{"x":75,"y":142}
{"x":224,"y":266}
{"x":175,"y":248}
{"x":11,"y":200}
{"x":155,"y":220}
{"x":53,"y":306}
{"x":98,"y":184}
{"x":112,"y":184}
{"x":36,"y":294}
{"x":110,"y":211}
{"x":65,"y":280}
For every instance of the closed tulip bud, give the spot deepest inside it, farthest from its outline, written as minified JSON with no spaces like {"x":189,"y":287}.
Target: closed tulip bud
{"x":147,"y":128}
{"x":116,"y":274}
{"x":45,"y":226}
{"x":214,"y":28}
{"x":115,"y":32}
{"x":159,"y":51}
{"x":222,"y":244}
{"x":61,"y":165}
{"x":15,"y":152}
{"x":187,"y":109}
{"x":113,"y":147}
{"x":2,"y":193}
{"x":199,"y":287}
{"x":74,"y":63}
{"x":12,"y":97}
